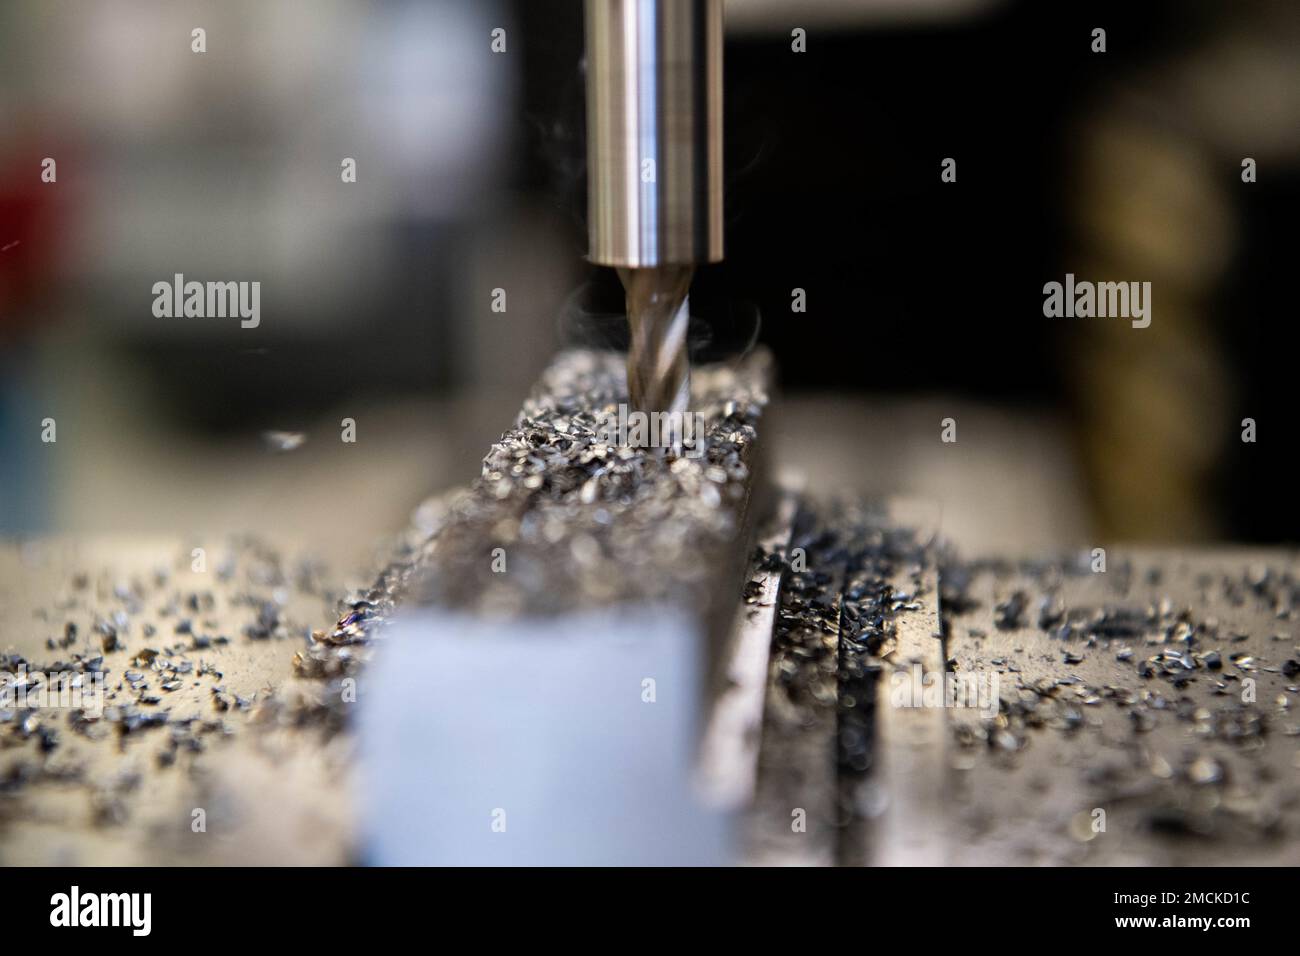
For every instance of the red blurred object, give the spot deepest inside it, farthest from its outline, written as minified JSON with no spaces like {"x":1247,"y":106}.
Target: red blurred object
{"x":28,"y":238}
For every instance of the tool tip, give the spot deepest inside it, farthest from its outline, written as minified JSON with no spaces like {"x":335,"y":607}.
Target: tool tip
{"x":658,"y":365}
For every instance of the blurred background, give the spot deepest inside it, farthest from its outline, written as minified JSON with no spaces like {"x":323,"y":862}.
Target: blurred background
{"x":924,"y":299}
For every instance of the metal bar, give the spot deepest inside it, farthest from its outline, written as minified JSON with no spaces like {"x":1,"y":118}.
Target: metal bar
{"x":728,"y":760}
{"x":564,"y":630}
{"x":565,"y":517}
{"x":793,"y":818}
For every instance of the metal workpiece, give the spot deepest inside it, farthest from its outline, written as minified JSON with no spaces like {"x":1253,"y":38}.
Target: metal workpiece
{"x":584,"y":520}
{"x":654,"y":132}
{"x":583,"y":577}
{"x":566,"y":519}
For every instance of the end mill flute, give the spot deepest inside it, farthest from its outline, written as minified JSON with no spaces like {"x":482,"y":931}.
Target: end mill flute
{"x":654,"y":157}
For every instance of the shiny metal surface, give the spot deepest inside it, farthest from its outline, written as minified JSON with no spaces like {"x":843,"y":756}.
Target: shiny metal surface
{"x":654,"y":131}
{"x":658,"y":365}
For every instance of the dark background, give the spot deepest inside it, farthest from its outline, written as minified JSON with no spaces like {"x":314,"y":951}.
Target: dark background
{"x":1118,"y":166}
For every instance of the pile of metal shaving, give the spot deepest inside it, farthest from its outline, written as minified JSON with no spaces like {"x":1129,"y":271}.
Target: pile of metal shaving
{"x":561,"y":519}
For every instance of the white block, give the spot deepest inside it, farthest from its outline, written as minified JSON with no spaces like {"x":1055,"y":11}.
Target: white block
{"x":533,"y":742}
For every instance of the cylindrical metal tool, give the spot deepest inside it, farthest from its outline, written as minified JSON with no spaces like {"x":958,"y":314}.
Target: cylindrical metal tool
{"x":654,"y":131}
{"x":654,"y":166}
